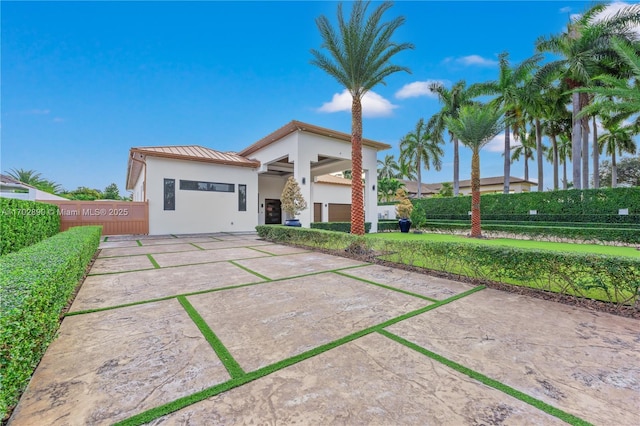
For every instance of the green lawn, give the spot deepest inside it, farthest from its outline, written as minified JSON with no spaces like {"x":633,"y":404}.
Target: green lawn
{"x":530,"y":244}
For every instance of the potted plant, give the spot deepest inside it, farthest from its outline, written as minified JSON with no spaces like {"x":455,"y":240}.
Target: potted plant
{"x":403,"y":210}
{"x":292,"y":202}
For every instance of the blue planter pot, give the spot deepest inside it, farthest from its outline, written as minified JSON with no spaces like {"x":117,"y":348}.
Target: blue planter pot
{"x":292,"y":222}
{"x":404,"y":224}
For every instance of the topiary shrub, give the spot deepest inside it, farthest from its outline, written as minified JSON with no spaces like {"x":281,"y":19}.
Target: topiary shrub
{"x":25,"y":223}
{"x":35,"y":285}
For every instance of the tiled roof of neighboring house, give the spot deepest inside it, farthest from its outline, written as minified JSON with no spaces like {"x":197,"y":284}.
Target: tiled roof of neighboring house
{"x":333,"y":180}
{"x":182,"y":152}
{"x":495,"y":180}
{"x":427,"y":188}
{"x":305,"y":127}
{"x":11,"y":181}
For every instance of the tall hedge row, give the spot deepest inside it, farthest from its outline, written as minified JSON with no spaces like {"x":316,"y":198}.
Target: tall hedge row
{"x":612,"y":279}
{"x":589,"y":205}
{"x":35,"y":285}
{"x":23,"y":223}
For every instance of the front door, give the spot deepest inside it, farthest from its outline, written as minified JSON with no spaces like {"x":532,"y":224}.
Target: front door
{"x":272,"y":212}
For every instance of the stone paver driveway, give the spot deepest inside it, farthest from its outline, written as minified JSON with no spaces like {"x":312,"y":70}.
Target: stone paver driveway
{"x":228,"y":329}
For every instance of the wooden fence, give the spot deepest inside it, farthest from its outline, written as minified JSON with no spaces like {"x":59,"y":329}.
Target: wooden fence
{"x":116,"y":217}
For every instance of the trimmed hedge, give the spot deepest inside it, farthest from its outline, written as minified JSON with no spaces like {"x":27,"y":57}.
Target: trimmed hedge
{"x":609,"y":278}
{"x":603,"y":234}
{"x":25,"y":223}
{"x":541,"y":223}
{"x":388,"y":225}
{"x":35,"y":286}
{"x":338,"y":226}
{"x":575,"y":205}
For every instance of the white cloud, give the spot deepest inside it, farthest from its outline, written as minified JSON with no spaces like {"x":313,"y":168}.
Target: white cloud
{"x":417,"y":89}
{"x":497,"y":143}
{"x":373,"y":105}
{"x":58,"y":120}
{"x":472,"y":60}
{"x":565,"y":9}
{"x":609,"y":11}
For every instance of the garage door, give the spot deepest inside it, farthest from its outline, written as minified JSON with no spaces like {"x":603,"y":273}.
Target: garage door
{"x":317,"y":212}
{"x":339,"y":212}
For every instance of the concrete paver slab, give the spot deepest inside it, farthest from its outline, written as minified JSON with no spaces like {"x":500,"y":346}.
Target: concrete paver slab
{"x":297,"y":264}
{"x":134,"y":251}
{"x":280,"y":249}
{"x":290,"y":317}
{"x":586,"y":363}
{"x":371,"y":381}
{"x":205,"y":256}
{"x":117,"y":244}
{"x":105,"y":265}
{"x":176,"y":241}
{"x":101,"y":291}
{"x":108,"y":366}
{"x":424,"y":285}
{"x":215,"y":245}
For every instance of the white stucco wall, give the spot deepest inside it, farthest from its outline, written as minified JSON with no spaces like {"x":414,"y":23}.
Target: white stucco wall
{"x":327,"y":193}
{"x":200,"y":211}
{"x":303,"y":149}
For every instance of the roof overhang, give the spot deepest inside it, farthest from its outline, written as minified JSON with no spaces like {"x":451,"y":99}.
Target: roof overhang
{"x":294,"y":126}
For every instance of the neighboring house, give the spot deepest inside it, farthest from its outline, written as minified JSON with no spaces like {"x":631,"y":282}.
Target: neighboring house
{"x":490,"y":185}
{"x":193,"y":189}
{"x":12,"y":188}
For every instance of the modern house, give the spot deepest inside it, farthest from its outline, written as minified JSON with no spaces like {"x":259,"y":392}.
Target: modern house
{"x":193,"y":189}
{"x":12,"y":188}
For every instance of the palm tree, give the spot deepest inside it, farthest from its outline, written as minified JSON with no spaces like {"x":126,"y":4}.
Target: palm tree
{"x":359,"y":54}
{"x":617,"y":96}
{"x":524,"y":149}
{"x":387,"y":187}
{"x":388,"y":168}
{"x":406,"y":170}
{"x":29,"y":177}
{"x":564,"y":154}
{"x":475,"y":126}
{"x":583,"y":47}
{"x":556,"y":119}
{"x":419,"y":147}
{"x":618,"y":139}
{"x":509,"y":91}
{"x":451,"y":100}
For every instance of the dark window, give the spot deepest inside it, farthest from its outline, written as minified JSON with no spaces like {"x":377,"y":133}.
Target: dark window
{"x":192,"y":185}
{"x":242,"y":198}
{"x":169,"y":194}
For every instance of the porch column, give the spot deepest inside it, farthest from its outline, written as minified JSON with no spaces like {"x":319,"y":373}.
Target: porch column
{"x":302,"y":174}
{"x":369,"y":165}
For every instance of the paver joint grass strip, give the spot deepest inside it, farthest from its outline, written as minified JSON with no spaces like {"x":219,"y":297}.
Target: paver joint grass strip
{"x":153,"y":262}
{"x":257,"y":274}
{"x":261,"y":251}
{"x":399,"y":290}
{"x":549,"y":409}
{"x":227,"y":359}
{"x":139,"y":243}
{"x":196,"y":246}
{"x":154,"y":413}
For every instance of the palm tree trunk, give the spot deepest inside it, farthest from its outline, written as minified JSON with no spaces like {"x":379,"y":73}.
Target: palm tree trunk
{"x":456,"y":167}
{"x":357,"y":196}
{"x":564,"y":174}
{"x":585,"y":153}
{"x":419,"y":164}
{"x":576,"y":141}
{"x":526,"y":168}
{"x":596,"y":156}
{"x":476,"y":230}
{"x":554,"y":147}
{"x":539,"y":154}
{"x":614,"y":170}
{"x":507,"y":159}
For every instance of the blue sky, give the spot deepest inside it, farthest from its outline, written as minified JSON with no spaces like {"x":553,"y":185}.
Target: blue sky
{"x":82,"y":83}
